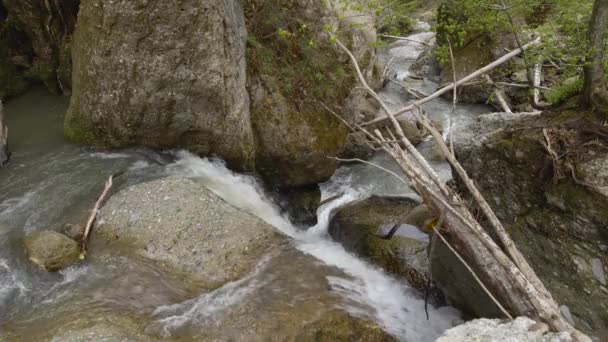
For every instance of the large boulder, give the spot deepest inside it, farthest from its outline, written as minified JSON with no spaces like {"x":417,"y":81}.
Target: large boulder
{"x":35,"y":39}
{"x":522,"y":329}
{"x":293,"y":76}
{"x":556,"y":212}
{"x":186,"y":229}
{"x":163,"y":75}
{"x":51,"y":250}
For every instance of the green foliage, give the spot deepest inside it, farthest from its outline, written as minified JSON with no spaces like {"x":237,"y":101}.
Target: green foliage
{"x":564,"y":91}
{"x":297,"y":52}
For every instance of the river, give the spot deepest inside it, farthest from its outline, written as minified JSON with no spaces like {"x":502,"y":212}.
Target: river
{"x":50,"y":182}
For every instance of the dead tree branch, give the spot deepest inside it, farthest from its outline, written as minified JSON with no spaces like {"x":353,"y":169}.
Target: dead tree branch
{"x":92,"y":217}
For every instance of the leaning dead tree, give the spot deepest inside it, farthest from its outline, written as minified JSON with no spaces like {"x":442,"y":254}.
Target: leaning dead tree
{"x":504,"y":271}
{"x":4,"y":152}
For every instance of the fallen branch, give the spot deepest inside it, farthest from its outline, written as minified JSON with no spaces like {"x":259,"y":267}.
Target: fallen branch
{"x":92,"y":217}
{"x":464,"y":80}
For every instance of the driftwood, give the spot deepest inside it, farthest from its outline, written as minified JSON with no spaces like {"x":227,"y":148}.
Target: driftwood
{"x":4,"y":152}
{"x":505,"y":273}
{"x":462,"y":81}
{"x":92,"y":217}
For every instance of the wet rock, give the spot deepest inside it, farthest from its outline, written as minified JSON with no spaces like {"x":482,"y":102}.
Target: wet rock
{"x":356,"y":227}
{"x":186,"y":229}
{"x":522,"y":329}
{"x":140,"y":80}
{"x":51,"y":250}
{"x":340,"y":326}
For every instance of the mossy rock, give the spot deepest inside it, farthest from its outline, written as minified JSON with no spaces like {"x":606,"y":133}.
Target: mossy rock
{"x":51,"y":250}
{"x":338,"y":326}
{"x":356,"y":227}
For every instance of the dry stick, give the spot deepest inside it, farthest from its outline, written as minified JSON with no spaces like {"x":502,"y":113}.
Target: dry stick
{"x":87,"y":229}
{"x":436,"y":230}
{"x":464,"y":80}
{"x":499,"y":95}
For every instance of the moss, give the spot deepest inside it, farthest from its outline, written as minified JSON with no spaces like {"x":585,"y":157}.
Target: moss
{"x":74,"y":132}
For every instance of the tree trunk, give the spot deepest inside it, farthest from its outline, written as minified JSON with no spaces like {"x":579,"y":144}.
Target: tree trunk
{"x":594,"y":68}
{"x":4,"y":153}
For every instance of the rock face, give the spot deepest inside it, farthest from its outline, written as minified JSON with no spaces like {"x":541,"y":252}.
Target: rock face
{"x":293,"y":77}
{"x":35,"y":44}
{"x":187,"y":229}
{"x":357,"y":225}
{"x":51,"y":250}
{"x":557,"y":222}
{"x":522,"y":329}
{"x":162,"y":75}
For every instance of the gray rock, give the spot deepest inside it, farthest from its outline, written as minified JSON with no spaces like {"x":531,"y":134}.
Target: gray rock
{"x":186,"y":229}
{"x":598,"y":271}
{"x":522,"y":329}
{"x":565,"y":311}
{"x":51,"y":250}
{"x":162,"y":74}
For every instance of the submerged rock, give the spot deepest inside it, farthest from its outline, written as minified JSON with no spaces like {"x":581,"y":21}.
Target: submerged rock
{"x":187,"y":229}
{"x":522,"y":329}
{"x":51,"y":250}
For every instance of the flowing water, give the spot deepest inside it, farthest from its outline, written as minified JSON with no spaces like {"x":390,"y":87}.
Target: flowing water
{"x":50,"y":182}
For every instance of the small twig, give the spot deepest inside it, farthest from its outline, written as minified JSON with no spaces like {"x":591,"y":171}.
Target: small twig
{"x":87,"y":229}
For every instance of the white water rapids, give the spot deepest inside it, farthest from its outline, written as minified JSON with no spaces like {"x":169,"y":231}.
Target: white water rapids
{"x":394,"y":305}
